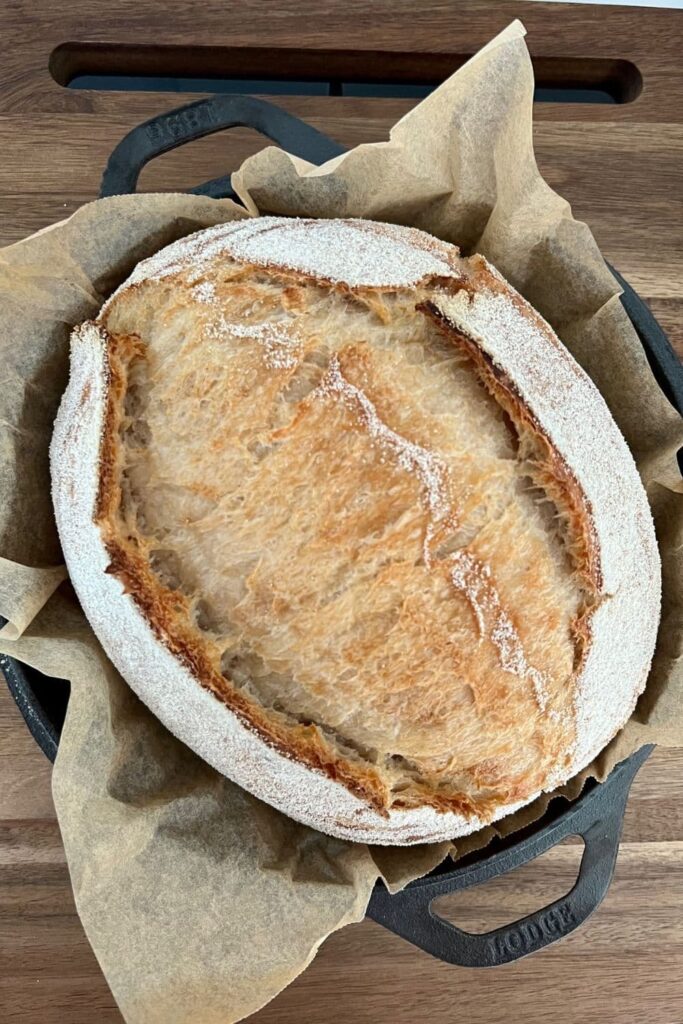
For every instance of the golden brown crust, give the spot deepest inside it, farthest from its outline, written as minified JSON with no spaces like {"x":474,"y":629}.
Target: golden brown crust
{"x":346,"y":510}
{"x":168,"y":612}
{"x":486,"y":784}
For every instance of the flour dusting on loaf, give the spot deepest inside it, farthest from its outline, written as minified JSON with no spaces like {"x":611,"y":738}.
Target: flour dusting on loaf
{"x":354,"y":524}
{"x":474,"y":580}
{"x":356,"y":253}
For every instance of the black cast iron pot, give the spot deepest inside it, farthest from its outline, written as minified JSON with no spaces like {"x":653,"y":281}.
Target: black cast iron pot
{"x":597,"y":815}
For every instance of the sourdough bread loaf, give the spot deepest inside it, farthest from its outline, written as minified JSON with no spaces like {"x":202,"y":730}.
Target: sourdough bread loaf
{"x":349,"y":518}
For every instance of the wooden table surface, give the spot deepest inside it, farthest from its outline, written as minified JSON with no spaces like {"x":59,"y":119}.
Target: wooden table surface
{"x":620,"y":167}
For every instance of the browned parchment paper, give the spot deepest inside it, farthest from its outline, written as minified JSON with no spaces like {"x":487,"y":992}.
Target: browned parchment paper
{"x":200,"y":902}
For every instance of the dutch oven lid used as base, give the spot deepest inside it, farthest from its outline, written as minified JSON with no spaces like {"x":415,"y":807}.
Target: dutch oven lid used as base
{"x":597,"y":815}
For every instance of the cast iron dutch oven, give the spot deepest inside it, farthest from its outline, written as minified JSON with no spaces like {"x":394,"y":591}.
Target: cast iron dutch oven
{"x":596,"y":816}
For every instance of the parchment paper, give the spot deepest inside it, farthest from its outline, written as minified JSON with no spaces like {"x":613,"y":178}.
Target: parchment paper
{"x":202,"y":903}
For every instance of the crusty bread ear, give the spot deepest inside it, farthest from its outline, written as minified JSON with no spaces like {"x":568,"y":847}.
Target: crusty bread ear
{"x":352,"y":522}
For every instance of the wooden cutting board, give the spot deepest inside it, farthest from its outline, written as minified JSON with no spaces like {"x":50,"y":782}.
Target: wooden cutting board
{"x":620,"y":167}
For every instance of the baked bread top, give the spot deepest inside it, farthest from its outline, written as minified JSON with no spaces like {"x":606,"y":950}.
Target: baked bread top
{"x":348,"y":516}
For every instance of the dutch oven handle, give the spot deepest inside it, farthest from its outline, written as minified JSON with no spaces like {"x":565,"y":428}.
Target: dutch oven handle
{"x":597,"y":816}
{"x":194,"y":121}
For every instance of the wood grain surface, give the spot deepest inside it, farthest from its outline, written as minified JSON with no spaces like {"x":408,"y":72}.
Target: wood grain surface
{"x":619,"y":165}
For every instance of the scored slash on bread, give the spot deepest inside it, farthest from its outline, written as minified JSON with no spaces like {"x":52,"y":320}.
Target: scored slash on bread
{"x":349,"y":518}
